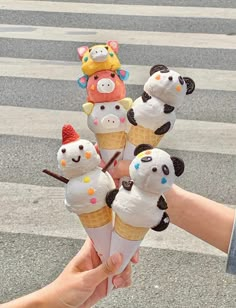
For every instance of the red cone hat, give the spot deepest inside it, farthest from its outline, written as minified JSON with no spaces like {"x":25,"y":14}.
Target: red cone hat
{"x":69,"y":134}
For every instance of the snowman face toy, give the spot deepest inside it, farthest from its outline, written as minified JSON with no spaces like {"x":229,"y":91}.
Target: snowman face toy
{"x":79,"y":156}
{"x":154,"y":170}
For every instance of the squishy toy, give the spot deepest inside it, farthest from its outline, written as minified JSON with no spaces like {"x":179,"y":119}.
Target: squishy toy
{"x":139,"y":204}
{"x":108,"y":121}
{"x":86,"y":188}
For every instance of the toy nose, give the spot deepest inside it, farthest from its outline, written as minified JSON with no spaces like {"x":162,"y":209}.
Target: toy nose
{"x":110,"y":121}
{"x":99,"y":54}
{"x":146,"y":159}
{"x":105,"y":85}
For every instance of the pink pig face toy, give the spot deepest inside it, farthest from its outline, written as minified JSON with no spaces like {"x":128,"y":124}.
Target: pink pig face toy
{"x":107,"y":118}
{"x":105,"y":86}
{"x":108,"y":121}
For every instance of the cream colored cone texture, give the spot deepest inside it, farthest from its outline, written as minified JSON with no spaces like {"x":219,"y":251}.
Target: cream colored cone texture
{"x":139,"y":134}
{"x":96,"y":219}
{"x":111,"y":141}
{"x":129,"y":232}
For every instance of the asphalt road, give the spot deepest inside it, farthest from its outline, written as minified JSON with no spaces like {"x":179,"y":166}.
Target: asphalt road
{"x":37,"y":235}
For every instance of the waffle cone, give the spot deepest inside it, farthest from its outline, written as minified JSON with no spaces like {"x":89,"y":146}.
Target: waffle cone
{"x":111,"y":141}
{"x":96,"y":219}
{"x":138,"y":134}
{"x":129,"y":232}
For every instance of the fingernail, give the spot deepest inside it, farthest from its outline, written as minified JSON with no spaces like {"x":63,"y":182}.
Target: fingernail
{"x":118,"y":282}
{"x":116,"y":258}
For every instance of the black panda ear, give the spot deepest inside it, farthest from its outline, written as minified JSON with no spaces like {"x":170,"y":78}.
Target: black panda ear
{"x":190,"y":85}
{"x":142,"y":147}
{"x":178,"y":165}
{"x":157,"y":68}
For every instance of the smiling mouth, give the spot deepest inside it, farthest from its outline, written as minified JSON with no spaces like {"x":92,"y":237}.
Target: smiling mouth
{"x":76,"y":160}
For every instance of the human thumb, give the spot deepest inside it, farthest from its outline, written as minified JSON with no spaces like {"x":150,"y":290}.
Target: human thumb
{"x":103,"y":271}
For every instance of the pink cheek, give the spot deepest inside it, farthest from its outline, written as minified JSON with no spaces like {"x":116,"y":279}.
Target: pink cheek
{"x":95,"y":122}
{"x":122,"y":120}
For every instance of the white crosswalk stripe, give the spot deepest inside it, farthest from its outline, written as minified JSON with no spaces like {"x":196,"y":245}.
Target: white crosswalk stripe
{"x":152,"y":38}
{"x":117,"y":9}
{"x":188,"y":135}
{"x":26,"y":207}
{"x":60,"y":70}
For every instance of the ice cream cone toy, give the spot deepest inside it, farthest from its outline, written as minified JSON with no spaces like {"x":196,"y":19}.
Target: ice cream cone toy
{"x":108,"y":121}
{"x":99,"y":58}
{"x":149,"y":123}
{"x":105,"y":86}
{"x":86,"y":189}
{"x":153,"y":114}
{"x":139,"y":204}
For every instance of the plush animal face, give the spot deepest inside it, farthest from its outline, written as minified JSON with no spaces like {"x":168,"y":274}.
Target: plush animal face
{"x":169,"y":86}
{"x":77,"y":157}
{"x":99,"y":57}
{"x":149,"y":113}
{"x":105,"y":86}
{"x":108,"y":117}
{"x":154,"y":170}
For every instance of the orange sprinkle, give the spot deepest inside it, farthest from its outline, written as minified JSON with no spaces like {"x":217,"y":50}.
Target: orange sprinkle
{"x":148,"y":152}
{"x":91,"y":191}
{"x":158,"y":77}
{"x":63,"y":163}
{"x":88,"y":155}
{"x":92,"y":87}
{"x":178,"y":88}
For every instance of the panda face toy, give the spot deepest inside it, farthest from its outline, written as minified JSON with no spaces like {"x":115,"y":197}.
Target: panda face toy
{"x":78,"y":157}
{"x":169,"y":86}
{"x":154,"y":170}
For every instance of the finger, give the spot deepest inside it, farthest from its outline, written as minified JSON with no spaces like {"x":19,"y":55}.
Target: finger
{"x":120,"y":170}
{"x":122,"y":283}
{"x":103,"y":271}
{"x":135,"y":258}
{"x":125,"y":275}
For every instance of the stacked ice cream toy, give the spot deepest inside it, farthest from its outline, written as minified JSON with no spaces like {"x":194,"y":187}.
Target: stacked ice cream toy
{"x":106,"y":105}
{"x":153,"y":114}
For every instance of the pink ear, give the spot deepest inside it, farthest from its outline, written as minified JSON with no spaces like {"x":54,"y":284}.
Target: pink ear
{"x":81,"y":51}
{"x":114,"y":45}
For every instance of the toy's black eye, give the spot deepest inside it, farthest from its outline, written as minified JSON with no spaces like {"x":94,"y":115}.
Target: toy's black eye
{"x":63,"y":151}
{"x":170,"y":78}
{"x":146,"y":159}
{"x":154,"y":169}
{"x":181,"y":80}
{"x":102,"y":107}
{"x":81,"y":147}
{"x":112,"y":75}
{"x":106,"y":47}
{"x":117,"y":107}
{"x":165,"y":170}
{"x":95,"y":77}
